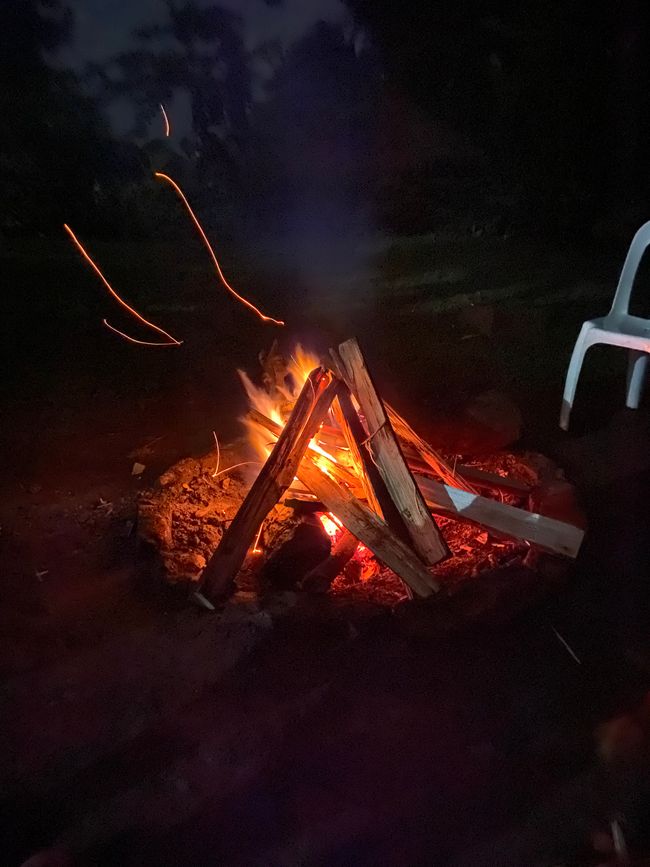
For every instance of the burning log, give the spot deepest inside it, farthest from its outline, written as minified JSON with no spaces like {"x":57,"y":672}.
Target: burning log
{"x":334,"y":467}
{"x":319,"y":579}
{"x":548,"y":533}
{"x":388,"y":457}
{"x":304,"y":549}
{"x":368,"y":528}
{"x":275,"y":477}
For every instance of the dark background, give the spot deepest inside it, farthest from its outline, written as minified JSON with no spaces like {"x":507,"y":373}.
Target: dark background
{"x":522,"y":117}
{"x":454,"y":183}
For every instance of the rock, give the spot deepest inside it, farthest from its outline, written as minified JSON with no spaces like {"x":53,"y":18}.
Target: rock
{"x":489,"y":422}
{"x":185,"y":566}
{"x":493,"y":421}
{"x":556,"y":498}
{"x":155,"y":523}
{"x":308,"y":546}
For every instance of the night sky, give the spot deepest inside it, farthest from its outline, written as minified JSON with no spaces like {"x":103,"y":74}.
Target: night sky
{"x":103,"y":27}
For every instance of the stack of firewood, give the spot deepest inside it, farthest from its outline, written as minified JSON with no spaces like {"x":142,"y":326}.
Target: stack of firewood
{"x":345,"y":448}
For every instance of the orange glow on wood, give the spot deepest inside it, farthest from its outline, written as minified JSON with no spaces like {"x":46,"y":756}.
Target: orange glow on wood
{"x":171,"y":340}
{"x":166,"y":119}
{"x":195,"y":220}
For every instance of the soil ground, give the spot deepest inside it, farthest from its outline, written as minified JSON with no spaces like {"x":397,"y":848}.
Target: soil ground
{"x":141,"y":730}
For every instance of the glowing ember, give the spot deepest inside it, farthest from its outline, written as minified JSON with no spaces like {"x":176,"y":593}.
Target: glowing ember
{"x":213,"y":256}
{"x":171,"y":340}
{"x":329,"y":525}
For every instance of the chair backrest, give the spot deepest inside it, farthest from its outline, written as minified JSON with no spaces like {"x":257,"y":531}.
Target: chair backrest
{"x":640,"y":242}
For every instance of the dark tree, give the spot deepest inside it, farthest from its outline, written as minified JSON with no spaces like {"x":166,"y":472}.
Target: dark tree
{"x":55,"y":153}
{"x":199,"y":51}
{"x":555,"y":93}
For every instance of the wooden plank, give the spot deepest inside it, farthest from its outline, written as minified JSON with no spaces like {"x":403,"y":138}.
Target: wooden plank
{"x":387,"y":508}
{"x":493,"y":481}
{"x":275,"y":477}
{"x":547,"y":533}
{"x":368,"y":528}
{"x":387,"y":455}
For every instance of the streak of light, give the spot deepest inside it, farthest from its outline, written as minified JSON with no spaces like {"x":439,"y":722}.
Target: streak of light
{"x":234,"y":467}
{"x":620,"y":846}
{"x":566,"y":646}
{"x":257,"y":550}
{"x":213,"y":256}
{"x":216,"y":469}
{"x":120,"y":301}
{"x":134,"y":339}
{"x":166,"y":119}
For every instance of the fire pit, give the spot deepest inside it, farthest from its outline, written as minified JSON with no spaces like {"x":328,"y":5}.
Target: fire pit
{"x":333,"y":492}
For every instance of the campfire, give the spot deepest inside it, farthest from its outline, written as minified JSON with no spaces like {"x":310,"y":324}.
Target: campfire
{"x":341,"y":470}
{"x":359,"y":488}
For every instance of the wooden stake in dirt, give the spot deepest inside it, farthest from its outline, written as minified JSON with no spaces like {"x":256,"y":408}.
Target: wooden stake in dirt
{"x":368,"y":528}
{"x":275,"y":477}
{"x":387,"y":455}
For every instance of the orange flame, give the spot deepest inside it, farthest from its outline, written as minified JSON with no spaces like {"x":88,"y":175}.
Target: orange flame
{"x":166,"y":119}
{"x":274,"y":401}
{"x":172,"y":340}
{"x":195,"y":220}
{"x":330,"y":524}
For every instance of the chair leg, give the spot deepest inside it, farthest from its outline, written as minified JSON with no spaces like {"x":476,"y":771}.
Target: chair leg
{"x":636,"y":370}
{"x":572,"y":376}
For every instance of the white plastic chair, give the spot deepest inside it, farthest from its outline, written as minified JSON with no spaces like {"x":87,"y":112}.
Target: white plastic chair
{"x":618,"y":328}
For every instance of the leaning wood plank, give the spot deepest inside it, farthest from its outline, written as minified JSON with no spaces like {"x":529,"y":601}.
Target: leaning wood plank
{"x":387,"y":508}
{"x":273,"y":480}
{"x":388,"y":457}
{"x":368,"y":528}
{"x":548,"y":533}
